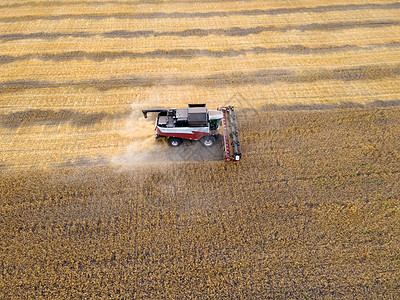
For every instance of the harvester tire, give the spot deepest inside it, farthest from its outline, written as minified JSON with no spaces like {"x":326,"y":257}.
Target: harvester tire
{"x":207,"y":141}
{"x":174,"y":142}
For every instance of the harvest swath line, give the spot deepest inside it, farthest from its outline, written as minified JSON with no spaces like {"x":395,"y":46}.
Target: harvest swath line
{"x":233,"y":31}
{"x":101,"y":3}
{"x":330,"y":106}
{"x":53,"y":117}
{"x":53,"y":150}
{"x":184,"y":15}
{"x":264,"y":77}
{"x":190,"y":53}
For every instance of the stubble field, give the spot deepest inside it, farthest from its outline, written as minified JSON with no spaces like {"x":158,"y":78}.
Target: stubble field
{"x":91,"y":206}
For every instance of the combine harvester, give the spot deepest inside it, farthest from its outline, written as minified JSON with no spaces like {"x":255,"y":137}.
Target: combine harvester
{"x":196,"y":123}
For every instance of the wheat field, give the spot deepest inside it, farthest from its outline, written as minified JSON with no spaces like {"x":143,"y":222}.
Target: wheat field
{"x":91,"y":206}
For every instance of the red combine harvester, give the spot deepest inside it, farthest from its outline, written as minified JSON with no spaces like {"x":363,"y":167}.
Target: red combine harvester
{"x":196,"y":123}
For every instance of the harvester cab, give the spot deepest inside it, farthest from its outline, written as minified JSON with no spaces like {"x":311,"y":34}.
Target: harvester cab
{"x":197,"y":123}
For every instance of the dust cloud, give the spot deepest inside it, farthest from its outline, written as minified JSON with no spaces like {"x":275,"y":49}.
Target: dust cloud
{"x":144,"y":148}
{"x":141,"y":132}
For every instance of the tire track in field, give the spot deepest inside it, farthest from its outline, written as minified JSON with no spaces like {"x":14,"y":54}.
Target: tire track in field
{"x":197,"y":32}
{"x":264,"y":77}
{"x":181,"y":15}
{"x":190,"y":53}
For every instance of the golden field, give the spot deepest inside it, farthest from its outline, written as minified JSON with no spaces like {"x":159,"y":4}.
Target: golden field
{"x":92,"y":207}
{"x":105,"y":56}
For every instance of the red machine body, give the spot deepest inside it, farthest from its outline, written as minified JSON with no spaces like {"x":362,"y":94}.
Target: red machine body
{"x":199,"y":124}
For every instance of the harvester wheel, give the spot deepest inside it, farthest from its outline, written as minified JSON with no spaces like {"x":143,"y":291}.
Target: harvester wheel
{"x":207,"y":141}
{"x":174,"y":142}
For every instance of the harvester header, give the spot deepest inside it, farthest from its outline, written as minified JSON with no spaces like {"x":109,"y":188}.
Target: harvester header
{"x":197,"y":123}
{"x":232,"y":148}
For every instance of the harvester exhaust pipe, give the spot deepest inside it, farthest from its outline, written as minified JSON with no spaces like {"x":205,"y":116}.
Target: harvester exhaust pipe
{"x":232,"y":148}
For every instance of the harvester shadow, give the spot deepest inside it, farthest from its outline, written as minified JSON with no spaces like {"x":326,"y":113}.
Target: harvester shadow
{"x":194,"y":151}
